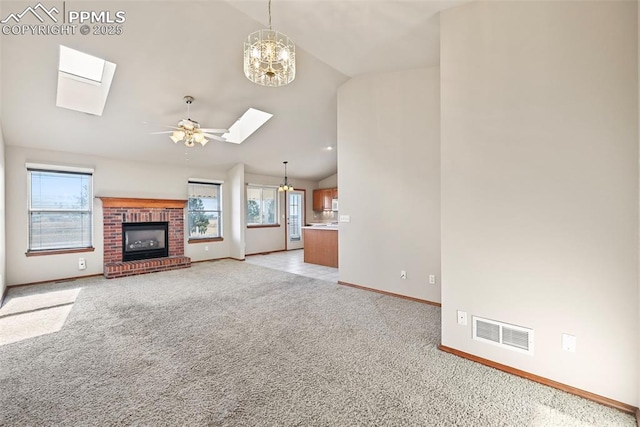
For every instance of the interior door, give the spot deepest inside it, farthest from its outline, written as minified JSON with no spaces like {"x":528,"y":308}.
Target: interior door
{"x":295,"y":219}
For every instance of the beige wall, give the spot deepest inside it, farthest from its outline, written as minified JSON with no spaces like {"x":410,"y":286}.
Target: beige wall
{"x":389,"y":181}
{"x":638,"y":24}
{"x":3,"y":253}
{"x":540,"y":184}
{"x":260,"y":240}
{"x":3,"y":257}
{"x":329,"y":182}
{"x":111,"y":178}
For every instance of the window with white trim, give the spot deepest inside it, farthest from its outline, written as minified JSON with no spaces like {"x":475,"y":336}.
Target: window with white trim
{"x":60,"y":209}
{"x":262,"y":205}
{"x":205,"y":213}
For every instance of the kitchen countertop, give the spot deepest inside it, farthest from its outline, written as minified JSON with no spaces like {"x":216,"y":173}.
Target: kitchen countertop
{"x":321,"y":227}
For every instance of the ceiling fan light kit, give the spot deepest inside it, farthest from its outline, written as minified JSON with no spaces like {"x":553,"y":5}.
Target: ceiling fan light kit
{"x":190,"y":131}
{"x":269,"y":57}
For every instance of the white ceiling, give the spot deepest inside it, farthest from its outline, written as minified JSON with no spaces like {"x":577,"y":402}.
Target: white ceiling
{"x":176,"y":48}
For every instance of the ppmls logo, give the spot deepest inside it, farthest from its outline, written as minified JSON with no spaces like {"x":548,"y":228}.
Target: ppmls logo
{"x":33,"y":11}
{"x":43,"y":20}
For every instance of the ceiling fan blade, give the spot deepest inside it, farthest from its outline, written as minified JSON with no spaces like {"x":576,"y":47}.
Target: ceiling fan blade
{"x":216,"y":137}
{"x":215,"y":130}
{"x":158,"y":133}
{"x":159,"y":124}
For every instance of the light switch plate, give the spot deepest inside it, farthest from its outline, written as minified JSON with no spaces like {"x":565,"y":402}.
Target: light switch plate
{"x":569,"y":343}
{"x":462,"y":318}
{"x":345,"y":218}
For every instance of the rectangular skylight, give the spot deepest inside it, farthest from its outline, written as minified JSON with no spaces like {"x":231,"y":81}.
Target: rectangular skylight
{"x":250,"y":122}
{"x":81,"y":64}
{"x":83,"y":81}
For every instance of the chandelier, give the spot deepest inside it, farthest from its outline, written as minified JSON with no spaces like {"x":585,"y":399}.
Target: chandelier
{"x":285,"y":186}
{"x":269,"y":57}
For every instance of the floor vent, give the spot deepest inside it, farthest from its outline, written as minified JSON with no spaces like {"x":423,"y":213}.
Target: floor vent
{"x":504,"y":335}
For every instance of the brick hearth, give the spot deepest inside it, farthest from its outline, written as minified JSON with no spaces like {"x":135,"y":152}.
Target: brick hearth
{"x":119,"y":210}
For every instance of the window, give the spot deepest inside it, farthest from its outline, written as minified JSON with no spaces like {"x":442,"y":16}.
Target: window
{"x":60,"y":209}
{"x":262,"y":205}
{"x":205,"y":221}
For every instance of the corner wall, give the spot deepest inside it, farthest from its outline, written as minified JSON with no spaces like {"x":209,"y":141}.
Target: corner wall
{"x":540,"y":185}
{"x":389,"y":181}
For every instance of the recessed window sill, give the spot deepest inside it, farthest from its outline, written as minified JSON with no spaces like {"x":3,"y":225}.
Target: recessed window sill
{"x":206,"y":240}
{"x":58,"y":251}
{"x":264,"y":226}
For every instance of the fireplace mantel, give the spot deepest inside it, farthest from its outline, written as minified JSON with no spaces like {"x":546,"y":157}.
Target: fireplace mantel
{"x":123,"y":202}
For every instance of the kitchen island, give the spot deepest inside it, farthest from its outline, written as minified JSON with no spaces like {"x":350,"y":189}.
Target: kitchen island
{"x":321,"y":245}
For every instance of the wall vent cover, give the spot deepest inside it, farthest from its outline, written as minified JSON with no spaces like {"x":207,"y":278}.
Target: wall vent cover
{"x":507,"y":336}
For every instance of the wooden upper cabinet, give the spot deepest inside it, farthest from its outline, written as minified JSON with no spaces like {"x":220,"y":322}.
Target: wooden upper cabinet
{"x":322,"y":198}
{"x":326,"y":199}
{"x":318,"y":200}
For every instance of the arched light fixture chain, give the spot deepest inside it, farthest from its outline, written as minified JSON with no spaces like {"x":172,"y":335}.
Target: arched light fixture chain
{"x":269,"y":57}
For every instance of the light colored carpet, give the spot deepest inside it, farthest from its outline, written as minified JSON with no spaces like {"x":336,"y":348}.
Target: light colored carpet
{"x":231,"y":344}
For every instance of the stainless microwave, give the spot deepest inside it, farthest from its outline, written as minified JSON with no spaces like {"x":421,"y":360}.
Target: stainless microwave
{"x":334,"y":205}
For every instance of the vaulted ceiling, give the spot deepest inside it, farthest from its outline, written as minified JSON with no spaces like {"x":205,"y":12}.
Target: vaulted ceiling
{"x":176,"y":48}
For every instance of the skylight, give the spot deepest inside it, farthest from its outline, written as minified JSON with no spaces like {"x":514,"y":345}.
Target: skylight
{"x":246,"y":125}
{"x":83,"y":81}
{"x":81,"y":64}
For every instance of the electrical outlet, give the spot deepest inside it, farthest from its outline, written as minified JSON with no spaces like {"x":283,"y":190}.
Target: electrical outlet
{"x":403,"y":274}
{"x":462,"y":318}
{"x":206,"y":248}
{"x":81,"y":264}
{"x":432,"y":279}
{"x":569,"y":343}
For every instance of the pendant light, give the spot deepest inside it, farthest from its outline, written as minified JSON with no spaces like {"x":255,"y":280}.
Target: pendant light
{"x":285,"y":186}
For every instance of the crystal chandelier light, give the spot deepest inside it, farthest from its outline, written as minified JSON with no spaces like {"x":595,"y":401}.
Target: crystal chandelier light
{"x":269,"y":57}
{"x":285,"y":186}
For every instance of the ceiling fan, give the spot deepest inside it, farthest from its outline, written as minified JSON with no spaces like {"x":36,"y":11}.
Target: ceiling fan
{"x":190,"y":131}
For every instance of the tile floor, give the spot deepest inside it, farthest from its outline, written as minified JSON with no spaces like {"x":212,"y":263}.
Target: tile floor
{"x":293,"y":262}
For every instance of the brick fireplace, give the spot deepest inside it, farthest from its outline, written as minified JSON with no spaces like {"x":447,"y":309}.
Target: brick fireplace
{"x":117,"y":211}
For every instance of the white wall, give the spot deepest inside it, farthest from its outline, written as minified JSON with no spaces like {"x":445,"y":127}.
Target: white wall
{"x":112,"y":178}
{"x":259,"y":240}
{"x":540,"y":184}
{"x":389,"y":181}
{"x":237,"y":218}
{"x":638,"y":23}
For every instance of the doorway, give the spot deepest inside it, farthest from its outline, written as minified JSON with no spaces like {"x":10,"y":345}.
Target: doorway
{"x":294,"y":208}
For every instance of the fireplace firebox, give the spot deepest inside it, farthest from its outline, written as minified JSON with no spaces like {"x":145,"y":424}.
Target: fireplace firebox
{"x":144,"y":240}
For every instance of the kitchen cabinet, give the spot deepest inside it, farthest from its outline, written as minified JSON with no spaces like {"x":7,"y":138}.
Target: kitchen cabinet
{"x":322,"y":198}
{"x":318,"y":200}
